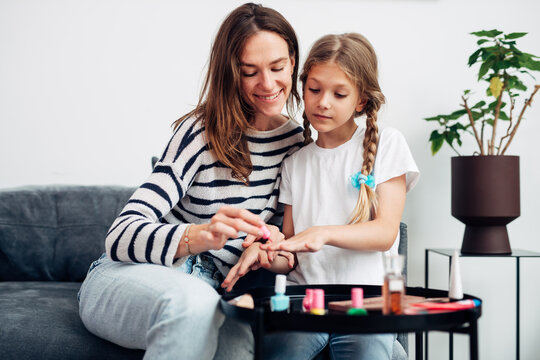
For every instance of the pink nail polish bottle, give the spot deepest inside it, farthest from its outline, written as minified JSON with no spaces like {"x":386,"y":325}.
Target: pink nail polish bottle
{"x":306,"y":303}
{"x":357,"y":299}
{"x":266,"y":232}
{"x":317,"y":302}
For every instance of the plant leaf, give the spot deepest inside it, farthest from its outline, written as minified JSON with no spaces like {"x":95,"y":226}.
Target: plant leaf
{"x":434,"y":135}
{"x":493,"y":105}
{"x":514,"y":35}
{"x":457,"y":114}
{"x":474,"y":57}
{"x":487,"y":33}
{"x":436,"y":145}
{"x":531,"y":64}
{"x":436,"y":118}
{"x":485,"y":68}
{"x":476,"y":115}
{"x":495,"y":86}
{"x":479,"y":104}
{"x":515,"y":83}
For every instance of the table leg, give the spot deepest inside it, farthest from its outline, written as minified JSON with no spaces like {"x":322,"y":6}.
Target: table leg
{"x":259,"y":333}
{"x":418,"y":345}
{"x":517,"y":308}
{"x":473,"y":340}
{"x":451,"y":345}
{"x":450,"y":333}
{"x":426,"y":283}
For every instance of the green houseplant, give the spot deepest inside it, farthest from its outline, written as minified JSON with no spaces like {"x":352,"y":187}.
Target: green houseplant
{"x":485,"y":186}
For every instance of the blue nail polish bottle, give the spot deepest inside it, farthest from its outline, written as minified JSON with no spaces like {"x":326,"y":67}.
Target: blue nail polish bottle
{"x":280,"y":302}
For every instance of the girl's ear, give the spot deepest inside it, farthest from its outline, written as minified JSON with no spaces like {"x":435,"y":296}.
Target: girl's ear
{"x":361,"y":104}
{"x":292,"y":65}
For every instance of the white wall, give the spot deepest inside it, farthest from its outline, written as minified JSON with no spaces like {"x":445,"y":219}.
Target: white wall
{"x":88,"y":90}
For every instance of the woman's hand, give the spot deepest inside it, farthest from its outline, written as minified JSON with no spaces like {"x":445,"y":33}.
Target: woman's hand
{"x":310,"y":240}
{"x":252,"y":259}
{"x":225,"y":224}
{"x":275,"y":238}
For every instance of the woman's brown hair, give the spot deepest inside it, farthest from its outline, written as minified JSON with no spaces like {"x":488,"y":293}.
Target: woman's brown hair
{"x":225,"y":113}
{"x":356,"y":57}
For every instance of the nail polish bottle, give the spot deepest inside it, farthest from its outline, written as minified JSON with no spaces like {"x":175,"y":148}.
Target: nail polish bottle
{"x":265,"y":232}
{"x":455,"y":288}
{"x":306,"y":302}
{"x":279,"y":302}
{"x":357,"y":299}
{"x":317,"y":302}
{"x":393,"y":289}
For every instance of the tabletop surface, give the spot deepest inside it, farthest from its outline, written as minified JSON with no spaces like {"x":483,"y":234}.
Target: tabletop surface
{"x":515,"y":253}
{"x":374,"y":322}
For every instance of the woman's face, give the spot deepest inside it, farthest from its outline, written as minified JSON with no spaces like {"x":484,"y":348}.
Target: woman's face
{"x":266,"y":73}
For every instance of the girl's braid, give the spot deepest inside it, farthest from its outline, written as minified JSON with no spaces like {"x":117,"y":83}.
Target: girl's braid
{"x":307,"y":130}
{"x":371,"y":139}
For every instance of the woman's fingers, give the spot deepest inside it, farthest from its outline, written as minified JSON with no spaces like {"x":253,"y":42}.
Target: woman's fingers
{"x":247,"y":215}
{"x":239,"y":219}
{"x":275,"y":238}
{"x":223,"y":228}
{"x":230,"y":276}
{"x":248,"y":258}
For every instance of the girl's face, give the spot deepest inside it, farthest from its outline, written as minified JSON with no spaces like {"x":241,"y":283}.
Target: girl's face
{"x":330,"y":101}
{"x":266,"y":73}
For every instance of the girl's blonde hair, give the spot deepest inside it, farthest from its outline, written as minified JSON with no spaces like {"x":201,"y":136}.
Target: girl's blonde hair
{"x":356,"y":57}
{"x":222,"y":108}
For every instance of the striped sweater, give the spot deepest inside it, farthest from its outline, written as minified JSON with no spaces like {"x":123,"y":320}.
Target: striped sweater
{"x":188,"y":186}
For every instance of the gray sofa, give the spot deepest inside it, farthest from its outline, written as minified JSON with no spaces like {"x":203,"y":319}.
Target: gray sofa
{"x":49,"y":235}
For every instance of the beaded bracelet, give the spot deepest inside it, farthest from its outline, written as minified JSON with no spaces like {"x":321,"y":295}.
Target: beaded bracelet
{"x":186,"y":238}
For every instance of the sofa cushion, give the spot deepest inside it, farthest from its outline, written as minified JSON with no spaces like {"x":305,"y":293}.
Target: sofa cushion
{"x":40,"y":320}
{"x":55,"y":232}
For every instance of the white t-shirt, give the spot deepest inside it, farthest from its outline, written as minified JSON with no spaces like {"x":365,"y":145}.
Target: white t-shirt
{"x":316,"y":182}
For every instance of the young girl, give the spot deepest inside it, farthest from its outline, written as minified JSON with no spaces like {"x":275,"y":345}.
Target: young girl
{"x":344,"y":193}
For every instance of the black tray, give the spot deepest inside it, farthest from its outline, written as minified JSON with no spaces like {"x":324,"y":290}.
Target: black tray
{"x":374,"y":322}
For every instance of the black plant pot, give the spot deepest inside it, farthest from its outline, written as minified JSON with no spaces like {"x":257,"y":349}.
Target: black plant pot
{"x":485,"y":197}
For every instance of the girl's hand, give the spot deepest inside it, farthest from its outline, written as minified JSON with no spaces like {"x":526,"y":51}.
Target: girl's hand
{"x":275,"y":238}
{"x":225,"y":224}
{"x":310,"y":240}
{"x":252,"y":259}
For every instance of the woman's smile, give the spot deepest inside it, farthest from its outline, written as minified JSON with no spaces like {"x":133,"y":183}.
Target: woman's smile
{"x":270,"y":97}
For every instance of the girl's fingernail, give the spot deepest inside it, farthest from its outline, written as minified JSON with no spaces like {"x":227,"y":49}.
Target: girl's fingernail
{"x":265,"y":232}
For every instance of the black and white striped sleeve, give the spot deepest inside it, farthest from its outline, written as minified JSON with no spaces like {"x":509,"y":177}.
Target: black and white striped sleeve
{"x":139,"y":234}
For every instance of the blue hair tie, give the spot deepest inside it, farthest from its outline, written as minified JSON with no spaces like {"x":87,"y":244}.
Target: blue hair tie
{"x":359,"y":179}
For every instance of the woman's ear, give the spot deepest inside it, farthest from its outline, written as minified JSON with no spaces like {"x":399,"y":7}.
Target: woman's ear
{"x":292,"y":65}
{"x":361,"y":104}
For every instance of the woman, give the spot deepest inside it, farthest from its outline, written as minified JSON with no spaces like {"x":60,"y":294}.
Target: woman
{"x":178,"y":235}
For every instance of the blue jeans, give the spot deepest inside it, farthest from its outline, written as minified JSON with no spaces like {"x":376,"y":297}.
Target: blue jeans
{"x":306,"y":345}
{"x":172,"y":313}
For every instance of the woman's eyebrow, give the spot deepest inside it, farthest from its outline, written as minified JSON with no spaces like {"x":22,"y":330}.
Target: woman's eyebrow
{"x":271,"y":63}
